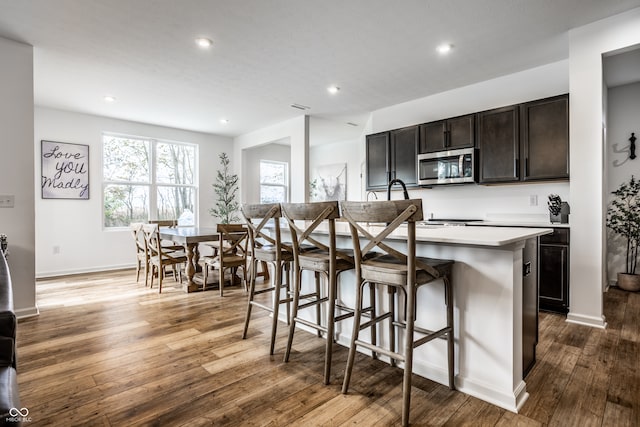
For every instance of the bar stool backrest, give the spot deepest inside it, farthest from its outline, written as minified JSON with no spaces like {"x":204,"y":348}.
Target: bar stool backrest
{"x":258,"y":217}
{"x":309,"y":216}
{"x":394,"y":213}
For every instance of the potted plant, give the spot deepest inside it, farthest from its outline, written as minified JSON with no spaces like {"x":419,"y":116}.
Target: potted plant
{"x":225,"y":187}
{"x":623,"y":218}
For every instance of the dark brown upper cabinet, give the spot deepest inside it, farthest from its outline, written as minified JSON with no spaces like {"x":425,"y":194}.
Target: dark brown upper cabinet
{"x":545,"y":138}
{"x":378,"y":147}
{"x":450,"y":134}
{"x":392,"y":155}
{"x":498,"y":144}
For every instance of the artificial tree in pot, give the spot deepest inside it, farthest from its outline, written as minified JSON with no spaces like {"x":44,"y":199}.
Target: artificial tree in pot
{"x":623,"y":218}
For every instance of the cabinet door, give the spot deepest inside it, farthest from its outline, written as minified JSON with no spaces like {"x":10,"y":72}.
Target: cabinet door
{"x":404,"y":151}
{"x":498,"y":144}
{"x":545,"y":138}
{"x":553,"y":276}
{"x":433,"y":137}
{"x":378,"y":161}
{"x":461,"y":132}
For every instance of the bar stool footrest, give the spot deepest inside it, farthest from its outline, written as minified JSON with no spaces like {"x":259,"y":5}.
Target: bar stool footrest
{"x":397,"y":357}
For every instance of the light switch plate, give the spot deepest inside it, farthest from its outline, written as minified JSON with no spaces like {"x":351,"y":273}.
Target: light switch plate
{"x":7,"y":201}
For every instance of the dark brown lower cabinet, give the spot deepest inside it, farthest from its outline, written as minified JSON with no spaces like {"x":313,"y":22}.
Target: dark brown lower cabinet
{"x":553,"y":271}
{"x":529,"y":305}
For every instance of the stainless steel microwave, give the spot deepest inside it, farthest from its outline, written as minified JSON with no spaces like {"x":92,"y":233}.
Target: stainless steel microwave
{"x":447,"y":167}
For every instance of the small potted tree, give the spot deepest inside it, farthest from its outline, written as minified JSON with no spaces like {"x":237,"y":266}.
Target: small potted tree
{"x":225,"y":187}
{"x":623,"y":218}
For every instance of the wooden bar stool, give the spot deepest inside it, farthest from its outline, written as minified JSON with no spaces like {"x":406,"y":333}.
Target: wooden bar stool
{"x":397,"y":271}
{"x":324,"y":260}
{"x":265,"y":247}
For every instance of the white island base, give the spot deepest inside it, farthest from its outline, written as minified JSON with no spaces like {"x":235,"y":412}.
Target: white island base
{"x":488,"y":308}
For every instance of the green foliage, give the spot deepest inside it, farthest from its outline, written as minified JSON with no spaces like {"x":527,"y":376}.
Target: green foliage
{"x":225,"y":187}
{"x":623,"y":217}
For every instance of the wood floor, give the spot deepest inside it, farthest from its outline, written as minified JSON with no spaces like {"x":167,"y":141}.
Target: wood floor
{"x":107,"y":351}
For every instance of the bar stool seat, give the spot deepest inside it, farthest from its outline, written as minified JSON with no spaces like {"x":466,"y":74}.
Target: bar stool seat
{"x":398,"y":271}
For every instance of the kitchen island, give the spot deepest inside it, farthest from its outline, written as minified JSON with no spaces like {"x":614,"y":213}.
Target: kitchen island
{"x":492,"y":264}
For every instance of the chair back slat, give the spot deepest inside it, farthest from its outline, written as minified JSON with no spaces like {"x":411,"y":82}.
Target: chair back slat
{"x":164,"y":222}
{"x":236,"y":235}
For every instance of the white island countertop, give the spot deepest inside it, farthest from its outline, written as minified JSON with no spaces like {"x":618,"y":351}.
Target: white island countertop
{"x":459,"y":235}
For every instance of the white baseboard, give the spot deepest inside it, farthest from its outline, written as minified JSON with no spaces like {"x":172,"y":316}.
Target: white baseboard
{"x":25,"y":313}
{"x":593,"y":321}
{"x":49,"y":274}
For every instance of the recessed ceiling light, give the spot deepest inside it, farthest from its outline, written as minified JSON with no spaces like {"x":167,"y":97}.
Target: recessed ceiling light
{"x":333,"y":89}
{"x":109,"y":98}
{"x":204,"y":42}
{"x":444,"y":48}
{"x":224,"y":121}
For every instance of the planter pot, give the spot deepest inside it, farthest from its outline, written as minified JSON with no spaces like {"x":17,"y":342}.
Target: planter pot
{"x":629,"y":282}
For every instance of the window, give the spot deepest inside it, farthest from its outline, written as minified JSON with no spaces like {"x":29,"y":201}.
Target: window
{"x":274,"y":179}
{"x":147,"y":179}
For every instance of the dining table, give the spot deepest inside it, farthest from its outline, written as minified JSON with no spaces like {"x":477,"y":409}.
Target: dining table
{"x":190,"y":237}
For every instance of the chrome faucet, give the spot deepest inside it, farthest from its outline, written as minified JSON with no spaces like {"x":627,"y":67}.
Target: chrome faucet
{"x":397,"y":181}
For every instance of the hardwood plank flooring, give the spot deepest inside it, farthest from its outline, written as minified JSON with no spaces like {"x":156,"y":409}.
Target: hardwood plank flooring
{"x":108,"y":351}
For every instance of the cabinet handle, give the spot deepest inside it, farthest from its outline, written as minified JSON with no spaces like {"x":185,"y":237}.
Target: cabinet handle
{"x":526,"y":167}
{"x":447,"y":138}
{"x":516,"y":166}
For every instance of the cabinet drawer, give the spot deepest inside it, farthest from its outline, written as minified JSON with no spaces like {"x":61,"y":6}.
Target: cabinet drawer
{"x":559,"y":236}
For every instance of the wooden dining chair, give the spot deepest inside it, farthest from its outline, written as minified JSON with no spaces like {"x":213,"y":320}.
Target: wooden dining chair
{"x":401,"y":272}
{"x":231,"y":254}
{"x":142,"y":253}
{"x":159,"y":257}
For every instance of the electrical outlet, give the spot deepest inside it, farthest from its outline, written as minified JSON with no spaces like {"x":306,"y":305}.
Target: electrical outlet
{"x":56,"y":250}
{"x":533,"y":200}
{"x":7,"y":201}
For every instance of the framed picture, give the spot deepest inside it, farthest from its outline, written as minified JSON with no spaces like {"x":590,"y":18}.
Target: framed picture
{"x":330,"y":183}
{"x":65,"y":170}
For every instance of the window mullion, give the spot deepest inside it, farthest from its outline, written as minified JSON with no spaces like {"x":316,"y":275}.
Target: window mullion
{"x":153,"y":188}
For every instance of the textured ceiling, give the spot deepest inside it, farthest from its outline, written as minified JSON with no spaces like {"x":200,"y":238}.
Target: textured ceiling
{"x":268,"y":54}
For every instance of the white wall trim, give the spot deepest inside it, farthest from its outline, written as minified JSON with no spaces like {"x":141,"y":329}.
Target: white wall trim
{"x":25,"y":313}
{"x":579,"y":319}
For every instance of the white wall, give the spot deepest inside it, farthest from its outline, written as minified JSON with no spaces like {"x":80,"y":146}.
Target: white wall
{"x":251,"y":167}
{"x":476,"y":201}
{"x":587,"y":45}
{"x":350,"y":152}
{"x":296,"y":131}
{"x":623,"y":119}
{"x":16,"y":170}
{"x":75,"y":226}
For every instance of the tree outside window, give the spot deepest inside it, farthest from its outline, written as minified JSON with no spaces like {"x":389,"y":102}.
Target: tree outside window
{"x":147,"y":179}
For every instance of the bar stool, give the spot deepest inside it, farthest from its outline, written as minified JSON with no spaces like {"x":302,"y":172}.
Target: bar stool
{"x":312,"y":255}
{"x":397,"y":271}
{"x":264,"y":247}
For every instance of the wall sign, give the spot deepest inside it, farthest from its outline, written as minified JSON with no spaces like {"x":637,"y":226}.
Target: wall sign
{"x":65,"y":170}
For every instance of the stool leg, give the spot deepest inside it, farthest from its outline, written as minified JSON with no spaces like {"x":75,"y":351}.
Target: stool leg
{"x":354,"y":336}
{"x":252,"y":289}
{"x":450,"y":344}
{"x":294,"y":313}
{"x":408,"y":355}
{"x":287,"y":273}
{"x":318,"y":308}
{"x":331,"y":310}
{"x":374,"y":329}
{"x":276,"y":304}
{"x":391,"y":293}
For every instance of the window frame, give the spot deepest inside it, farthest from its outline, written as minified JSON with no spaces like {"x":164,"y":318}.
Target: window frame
{"x":286,"y":179}
{"x":152,"y":185}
